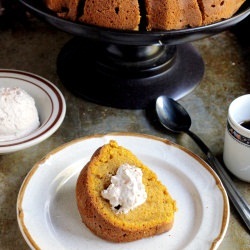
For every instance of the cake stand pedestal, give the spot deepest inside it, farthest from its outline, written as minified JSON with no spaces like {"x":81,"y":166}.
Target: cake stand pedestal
{"x":126,"y":76}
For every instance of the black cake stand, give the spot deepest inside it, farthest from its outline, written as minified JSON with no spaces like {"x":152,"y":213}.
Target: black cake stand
{"x":130,"y":69}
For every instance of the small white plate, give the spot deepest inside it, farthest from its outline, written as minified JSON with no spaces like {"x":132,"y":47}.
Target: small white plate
{"x":49,"y":102}
{"x":47,"y":212}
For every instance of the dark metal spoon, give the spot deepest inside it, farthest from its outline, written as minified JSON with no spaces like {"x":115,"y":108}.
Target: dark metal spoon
{"x":175,"y":118}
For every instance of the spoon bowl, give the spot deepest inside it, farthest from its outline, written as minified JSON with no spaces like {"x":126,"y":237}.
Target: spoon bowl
{"x":172,"y":115}
{"x":175,"y":118}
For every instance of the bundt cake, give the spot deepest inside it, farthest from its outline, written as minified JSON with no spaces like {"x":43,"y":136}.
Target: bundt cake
{"x":145,"y":14}
{"x":120,"y":199}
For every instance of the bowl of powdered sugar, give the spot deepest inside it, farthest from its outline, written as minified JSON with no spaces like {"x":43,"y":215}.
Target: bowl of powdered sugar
{"x":31,"y":109}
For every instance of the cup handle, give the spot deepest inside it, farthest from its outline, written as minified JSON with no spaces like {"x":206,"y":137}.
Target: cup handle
{"x":236,"y":198}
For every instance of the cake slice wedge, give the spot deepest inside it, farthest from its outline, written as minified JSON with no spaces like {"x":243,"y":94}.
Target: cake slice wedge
{"x":218,"y":10}
{"x":154,"y":216}
{"x":117,"y":14}
{"x":64,"y":8}
{"x":172,"y":14}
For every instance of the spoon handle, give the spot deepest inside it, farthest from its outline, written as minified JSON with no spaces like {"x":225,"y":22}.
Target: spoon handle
{"x":236,"y":198}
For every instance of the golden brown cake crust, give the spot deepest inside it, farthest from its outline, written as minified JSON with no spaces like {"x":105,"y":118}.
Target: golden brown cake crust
{"x":103,"y":221}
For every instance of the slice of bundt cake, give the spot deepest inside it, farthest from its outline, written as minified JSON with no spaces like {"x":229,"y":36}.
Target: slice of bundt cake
{"x":217,"y":10}
{"x":64,"y":8}
{"x":113,"y":171}
{"x":117,"y":14}
{"x":172,"y":14}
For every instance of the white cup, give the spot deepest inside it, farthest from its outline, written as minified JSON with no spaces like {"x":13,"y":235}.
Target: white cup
{"x":236,"y":153}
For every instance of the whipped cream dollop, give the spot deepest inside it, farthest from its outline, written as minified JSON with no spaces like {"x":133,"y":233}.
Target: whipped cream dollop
{"x":18,"y":113}
{"x":126,"y":190}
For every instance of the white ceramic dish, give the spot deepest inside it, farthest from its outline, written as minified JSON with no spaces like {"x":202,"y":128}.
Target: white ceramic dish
{"x":47,"y":212}
{"x":49,"y":101}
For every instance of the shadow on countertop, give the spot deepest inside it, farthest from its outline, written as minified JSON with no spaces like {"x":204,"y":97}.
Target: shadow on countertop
{"x":241,"y":33}
{"x":12,"y":14}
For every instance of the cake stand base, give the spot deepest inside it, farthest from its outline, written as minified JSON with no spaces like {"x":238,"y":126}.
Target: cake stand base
{"x":128,"y":76}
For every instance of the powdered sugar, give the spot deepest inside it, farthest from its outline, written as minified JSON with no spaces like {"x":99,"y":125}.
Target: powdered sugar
{"x":18,"y":113}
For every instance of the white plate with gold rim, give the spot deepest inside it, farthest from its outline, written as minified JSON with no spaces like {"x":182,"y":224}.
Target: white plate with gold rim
{"x":47,"y":212}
